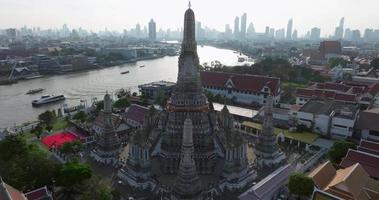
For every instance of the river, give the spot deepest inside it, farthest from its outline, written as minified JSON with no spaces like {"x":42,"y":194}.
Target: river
{"x":16,"y":108}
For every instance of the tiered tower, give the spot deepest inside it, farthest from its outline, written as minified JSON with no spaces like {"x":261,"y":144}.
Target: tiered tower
{"x":188,"y":100}
{"x":187,"y":184}
{"x":267,"y":151}
{"x":108,"y":143}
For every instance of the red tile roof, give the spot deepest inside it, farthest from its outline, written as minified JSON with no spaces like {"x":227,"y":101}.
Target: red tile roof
{"x":304,"y":92}
{"x":243,"y":82}
{"x":136,"y":113}
{"x":38,"y":194}
{"x":369,"y":147}
{"x":369,"y":162}
{"x":374,"y":89}
{"x":368,"y":119}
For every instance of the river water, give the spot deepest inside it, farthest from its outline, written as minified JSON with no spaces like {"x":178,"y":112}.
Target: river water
{"x":16,"y":108}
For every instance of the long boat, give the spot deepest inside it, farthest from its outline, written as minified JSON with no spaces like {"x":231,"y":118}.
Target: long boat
{"x":48,"y":99}
{"x":34,"y":91}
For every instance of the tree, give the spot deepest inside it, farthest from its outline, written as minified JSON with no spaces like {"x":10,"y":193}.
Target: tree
{"x":73,"y":173}
{"x":99,"y":106}
{"x":46,"y":117}
{"x":72,"y":148}
{"x":339,"y":150}
{"x":25,"y":166}
{"x":161,"y":99}
{"x":300,"y":184}
{"x":375,"y":63}
{"x":337,"y":61}
{"x":121,"y":103}
{"x":37,"y":130}
{"x":81,"y":116}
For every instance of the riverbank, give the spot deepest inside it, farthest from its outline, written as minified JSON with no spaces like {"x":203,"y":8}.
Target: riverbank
{"x":6,"y":81}
{"x":89,"y":85}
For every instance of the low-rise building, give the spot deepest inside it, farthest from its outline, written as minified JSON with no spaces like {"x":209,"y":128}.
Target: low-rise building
{"x":269,"y":187}
{"x":368,"y":124}
{"x":352,"y":183}
{"x":242,"y":88}
{"x":135,"y":115}
{"x":368,"y":161}
{"x":329,"y":118}
{"x":154,"y":89}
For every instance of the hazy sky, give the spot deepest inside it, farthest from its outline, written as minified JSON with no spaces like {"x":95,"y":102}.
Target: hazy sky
{"x":120,"y":14}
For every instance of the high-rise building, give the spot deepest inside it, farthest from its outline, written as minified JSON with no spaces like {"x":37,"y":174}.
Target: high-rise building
{"x":289,"y":29}
{"x":267,"y":31}
{"x":368,"y":35}
{"x":280,"y":34}
{"x":315,"y":34}
{"x":243,"y":25}
{"x":152,"y":30}
{"x":294,"y":35}
{"x":355,"y":35}
{"x":340,"y":29}
{"x":347,"y":35}
{"x":271,"y":33}
{"x":236,"y":27}
{"x":200,"y":32}
{"x":228,"y":32}
{"x":250,"y":30}
{"x":138,"y":32}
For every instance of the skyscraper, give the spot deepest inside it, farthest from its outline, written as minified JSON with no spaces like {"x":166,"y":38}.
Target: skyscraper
{"x":289,"y":29}
{"x":236,"y":27}
{"x":250,"y":30}
{"x":243,"y":25}
{"x":294,"y":35}
{"x":315,"y":34}
{"x":280,"y":34}
{"x":228,"y":31}
{"x":152,"y":30}
{"x":339,"y":30}
{"x":267,"y":31}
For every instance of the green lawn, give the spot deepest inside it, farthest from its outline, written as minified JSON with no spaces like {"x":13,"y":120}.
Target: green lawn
{"x":305,"y":137}
{"x":59,"y":124}
{"x":292,"y":84}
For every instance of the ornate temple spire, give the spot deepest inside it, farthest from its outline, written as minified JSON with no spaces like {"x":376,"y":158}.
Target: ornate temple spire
{"x":187,"y":183}
{"x":267,"y":150}
{"x":107,"y":103}
{"x":267,"y":123}
{"x":109,"y":145}
{"x":189,"y":45}
{"x":107,"y":110}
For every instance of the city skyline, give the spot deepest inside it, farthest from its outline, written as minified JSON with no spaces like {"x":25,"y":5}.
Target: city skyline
{"x":119,"y":15}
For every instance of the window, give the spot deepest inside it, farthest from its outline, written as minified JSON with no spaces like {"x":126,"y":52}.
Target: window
{"x":339,"y":126}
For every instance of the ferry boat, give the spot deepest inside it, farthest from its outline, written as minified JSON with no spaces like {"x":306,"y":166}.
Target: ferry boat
{"x":48,"y":99}
{"x":34,"y":91}
{"x":125,"y":72}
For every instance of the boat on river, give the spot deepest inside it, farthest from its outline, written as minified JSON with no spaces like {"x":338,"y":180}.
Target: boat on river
{"x":125,"y":72}
{"x":35,"y":91}
{"x":46,"y":99}
{"x":142,"y":66}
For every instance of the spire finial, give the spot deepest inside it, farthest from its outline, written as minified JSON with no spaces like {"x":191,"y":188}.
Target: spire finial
{"x":189,"y":4}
